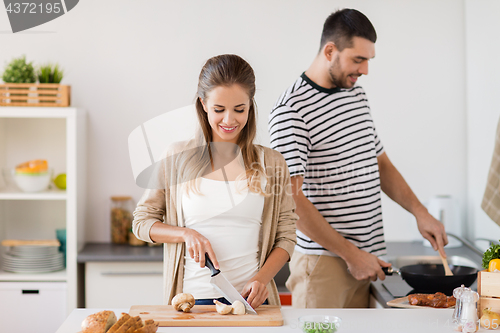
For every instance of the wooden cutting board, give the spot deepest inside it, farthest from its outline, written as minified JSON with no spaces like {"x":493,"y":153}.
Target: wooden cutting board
{"x":205,"y":315}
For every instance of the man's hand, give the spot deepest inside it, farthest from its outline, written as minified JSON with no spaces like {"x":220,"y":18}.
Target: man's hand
{"x":432,"y":230}
{"x":363,"y":265}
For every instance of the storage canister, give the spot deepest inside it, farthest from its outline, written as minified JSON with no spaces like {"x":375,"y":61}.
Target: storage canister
{"x":121,"y":218}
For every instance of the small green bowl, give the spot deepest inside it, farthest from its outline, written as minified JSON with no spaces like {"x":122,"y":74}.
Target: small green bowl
{"x":319,"y":324}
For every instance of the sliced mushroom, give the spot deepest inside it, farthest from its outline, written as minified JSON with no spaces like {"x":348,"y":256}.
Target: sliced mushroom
{"x":222,"y":308}
{"x":238,"y":308}
{"x":183,"y":302}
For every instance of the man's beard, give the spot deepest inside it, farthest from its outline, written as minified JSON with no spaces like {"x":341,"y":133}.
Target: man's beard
{"x":336,"y":75}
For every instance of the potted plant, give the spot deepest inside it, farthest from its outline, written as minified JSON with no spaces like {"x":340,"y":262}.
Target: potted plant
{"x":20,"y":77}
{"x":19,"y":71}
{"x":49,"y":74}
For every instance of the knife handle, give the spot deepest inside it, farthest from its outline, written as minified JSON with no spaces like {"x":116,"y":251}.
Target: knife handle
{"x":209,"y":264}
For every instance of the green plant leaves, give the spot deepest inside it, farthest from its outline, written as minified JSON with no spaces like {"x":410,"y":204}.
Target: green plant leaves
{"x":18,"y":71}
{"x":49,"y":74}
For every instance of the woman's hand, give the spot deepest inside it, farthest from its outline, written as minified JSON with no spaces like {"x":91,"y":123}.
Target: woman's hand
{"x":255,"y":292}
{"x":197,"y":245}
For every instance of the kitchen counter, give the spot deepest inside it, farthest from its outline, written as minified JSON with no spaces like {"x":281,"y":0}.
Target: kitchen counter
{"x":107,"y":252}
{"x":353,"y":320}
{"x":119,"y":252}
{"x":380,"y":289}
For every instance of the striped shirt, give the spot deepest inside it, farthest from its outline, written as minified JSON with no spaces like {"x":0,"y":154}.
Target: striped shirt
{"x":328,"y":137}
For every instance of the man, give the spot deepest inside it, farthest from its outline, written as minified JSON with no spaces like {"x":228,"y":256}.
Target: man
{"x":323,"y":127}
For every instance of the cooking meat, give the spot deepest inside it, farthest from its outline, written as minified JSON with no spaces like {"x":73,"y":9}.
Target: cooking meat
{"x":437,"y":300}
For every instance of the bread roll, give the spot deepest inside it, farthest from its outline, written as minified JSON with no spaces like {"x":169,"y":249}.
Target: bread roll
{"x":98,"y":322}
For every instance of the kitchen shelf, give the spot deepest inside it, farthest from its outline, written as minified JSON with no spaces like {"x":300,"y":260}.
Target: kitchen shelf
{"x":35,"y":112}
{"x":56,"y":134}
{"x":46,"y":195}
{"x":59,"y":276}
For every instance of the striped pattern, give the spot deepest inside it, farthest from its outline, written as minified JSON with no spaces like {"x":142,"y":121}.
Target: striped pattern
{"x":328,"y":137}
{"x":491,"y":198}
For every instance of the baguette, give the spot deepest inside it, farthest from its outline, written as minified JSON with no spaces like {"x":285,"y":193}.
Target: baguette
{"x":99,"y":322}
{"x":119,"y":323}
{"x":138,"y":324}
{"x":149,"y":327}
{"x":129,"y":323}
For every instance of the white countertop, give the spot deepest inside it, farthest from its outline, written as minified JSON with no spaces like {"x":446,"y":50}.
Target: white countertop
{"x":353,"y":320}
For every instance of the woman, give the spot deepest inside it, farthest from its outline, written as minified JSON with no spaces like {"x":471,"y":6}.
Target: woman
{"x":223,"y":196}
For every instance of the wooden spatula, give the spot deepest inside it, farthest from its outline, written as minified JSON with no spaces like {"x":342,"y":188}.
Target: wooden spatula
{"x":447,"y":270}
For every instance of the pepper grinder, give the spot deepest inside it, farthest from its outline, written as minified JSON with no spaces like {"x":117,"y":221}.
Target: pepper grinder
{"x":457,"y":293}
{"x":468,"y":320}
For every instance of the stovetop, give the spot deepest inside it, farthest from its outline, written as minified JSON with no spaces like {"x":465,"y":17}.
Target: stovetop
{"x":396,"y":286}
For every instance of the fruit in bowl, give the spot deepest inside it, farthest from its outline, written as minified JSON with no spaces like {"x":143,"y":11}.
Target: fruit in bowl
{"x":32,"y":176}
{"x":33,"y":166}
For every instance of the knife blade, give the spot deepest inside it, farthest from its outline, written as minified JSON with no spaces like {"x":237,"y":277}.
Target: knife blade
{"x":221,"y":283}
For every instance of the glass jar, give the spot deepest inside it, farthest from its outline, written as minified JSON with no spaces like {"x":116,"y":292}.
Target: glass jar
{"x":122,"y":208}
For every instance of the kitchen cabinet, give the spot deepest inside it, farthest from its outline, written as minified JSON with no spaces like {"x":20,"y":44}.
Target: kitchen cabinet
{"x":122,"y":274}
{"x":41,"y":302}
{"x":115,"y":284}
{"x":56,"y":134}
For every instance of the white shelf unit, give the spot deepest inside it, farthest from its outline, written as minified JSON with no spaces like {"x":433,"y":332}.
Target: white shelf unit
{"x":57,"y":135}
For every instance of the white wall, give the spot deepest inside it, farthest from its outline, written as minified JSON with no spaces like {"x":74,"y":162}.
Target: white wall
{"x":129,"y":61}
{"x":483,"y":85}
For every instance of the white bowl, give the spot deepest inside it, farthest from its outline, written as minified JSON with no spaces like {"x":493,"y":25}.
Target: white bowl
{"x":32,"y":182}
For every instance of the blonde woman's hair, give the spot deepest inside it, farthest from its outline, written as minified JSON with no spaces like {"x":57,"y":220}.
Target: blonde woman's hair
{"x":224,"y":70}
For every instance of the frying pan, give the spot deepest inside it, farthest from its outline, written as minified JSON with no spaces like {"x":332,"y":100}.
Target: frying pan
{"x":431,"y":278}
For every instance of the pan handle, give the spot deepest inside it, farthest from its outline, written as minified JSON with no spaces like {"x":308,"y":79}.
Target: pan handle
{"x":390,"y":270}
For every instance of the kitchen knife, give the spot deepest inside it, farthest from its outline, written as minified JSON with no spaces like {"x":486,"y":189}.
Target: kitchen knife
{"x":220,"y":282}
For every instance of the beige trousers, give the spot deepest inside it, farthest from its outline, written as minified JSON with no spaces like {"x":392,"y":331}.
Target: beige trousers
{"x":324,"y":282}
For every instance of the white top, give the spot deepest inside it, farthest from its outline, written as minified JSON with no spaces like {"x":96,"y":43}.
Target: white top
{"x":229,"y":216}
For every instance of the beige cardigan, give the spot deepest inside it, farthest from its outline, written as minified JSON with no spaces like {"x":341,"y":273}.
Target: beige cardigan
{"x":278,"y":218}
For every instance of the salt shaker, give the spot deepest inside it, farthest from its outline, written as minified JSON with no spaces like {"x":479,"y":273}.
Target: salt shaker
{"x":457,"y":293}
{"x":468,"y":319}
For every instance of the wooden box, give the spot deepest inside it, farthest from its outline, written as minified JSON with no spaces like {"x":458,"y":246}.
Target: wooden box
{"x":31,"y":94}
{"x":488,"y":287}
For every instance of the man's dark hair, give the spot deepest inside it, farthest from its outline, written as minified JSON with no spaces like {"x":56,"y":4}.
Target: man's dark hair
{"x":341,"y":26}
